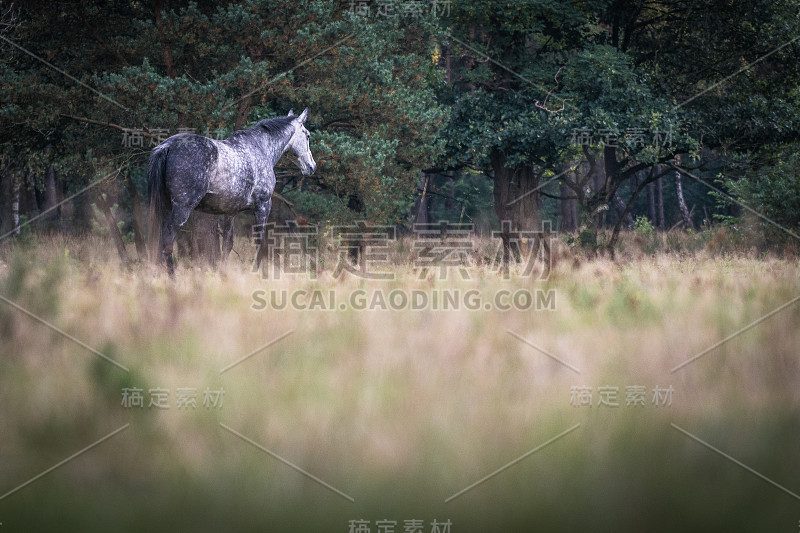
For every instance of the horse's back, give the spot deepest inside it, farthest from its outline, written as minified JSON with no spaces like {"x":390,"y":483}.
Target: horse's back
{"x":191,"y":163}
{"x":189,"y":152}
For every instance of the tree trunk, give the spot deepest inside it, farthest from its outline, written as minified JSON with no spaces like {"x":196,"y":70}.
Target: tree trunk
{"x":6,"y":184}
{"x":611,"y":167}
{"x":651,"y":203}
{"x":113,"y":228}
{"x":629,"y":208}
{"x":450,"y":201}
{"x":201,"y":238}
{"x":516,"y":202}
{"x":515,"y":199}
{"x":138,"y":216}
{"x":420,"y":213}
{"x":569,"y":218}
{"x":687,"y":219}
{"x":50,"y":199}
{"x":28,"y":201}
{"x":566,"y":222}
{"x":597,"y":181}
{"x":205,"y":238}
{"x":623,"y":213}
{"x":82,"y":215}
{"x":15,"y":192}
{"x":660,"y":200}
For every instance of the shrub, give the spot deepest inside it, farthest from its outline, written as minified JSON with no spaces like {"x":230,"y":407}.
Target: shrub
{"x":774,"y":193}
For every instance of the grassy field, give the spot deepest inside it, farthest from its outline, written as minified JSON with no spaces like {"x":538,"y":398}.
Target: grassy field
{"x":473,"y":415}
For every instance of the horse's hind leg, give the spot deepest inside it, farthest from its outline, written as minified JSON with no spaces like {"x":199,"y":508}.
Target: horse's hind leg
{"x":177,"y":217}
{"x":227,"y":236}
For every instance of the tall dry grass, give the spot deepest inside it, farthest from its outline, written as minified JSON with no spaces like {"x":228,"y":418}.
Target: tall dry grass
{"x":403,"y":409}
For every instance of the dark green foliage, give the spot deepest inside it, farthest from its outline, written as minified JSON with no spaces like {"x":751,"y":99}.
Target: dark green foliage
{"x":206,"y":68}
{"x":774,"y":192}
{"x":721,"y":76}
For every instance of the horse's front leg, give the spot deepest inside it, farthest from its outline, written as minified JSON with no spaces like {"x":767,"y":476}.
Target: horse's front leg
{"x":227,"y":236}
{"x":261,"y":213}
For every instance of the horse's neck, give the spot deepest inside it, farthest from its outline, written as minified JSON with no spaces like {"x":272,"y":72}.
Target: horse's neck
{"x":275,"y":145}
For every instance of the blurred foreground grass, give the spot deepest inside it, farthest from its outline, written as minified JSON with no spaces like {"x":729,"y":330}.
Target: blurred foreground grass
{"x":398,"y":410}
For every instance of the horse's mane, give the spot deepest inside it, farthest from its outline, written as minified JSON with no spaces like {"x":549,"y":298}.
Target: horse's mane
{"x":275,"y":125}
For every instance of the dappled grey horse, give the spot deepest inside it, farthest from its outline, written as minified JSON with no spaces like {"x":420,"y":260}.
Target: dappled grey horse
{"x":189,"y":171}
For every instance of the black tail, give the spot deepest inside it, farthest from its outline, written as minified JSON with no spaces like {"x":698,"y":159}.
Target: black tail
{"x":159,"y":203}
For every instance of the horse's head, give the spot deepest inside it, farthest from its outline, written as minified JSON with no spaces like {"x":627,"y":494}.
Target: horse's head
{"x":298,"y":144}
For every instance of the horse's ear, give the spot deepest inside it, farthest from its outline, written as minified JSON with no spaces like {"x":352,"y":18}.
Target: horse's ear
{"x":291,"y":113}
{"x":303,"y":116}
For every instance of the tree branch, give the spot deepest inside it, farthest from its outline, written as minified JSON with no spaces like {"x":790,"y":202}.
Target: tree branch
{"x":143,"y":132}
